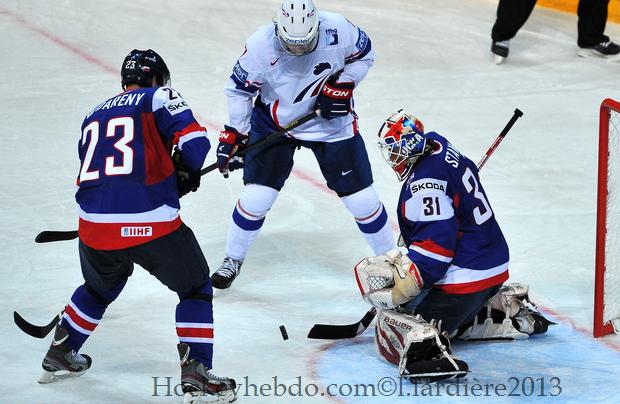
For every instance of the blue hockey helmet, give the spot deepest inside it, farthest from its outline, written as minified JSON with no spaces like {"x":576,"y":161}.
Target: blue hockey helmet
{"x":141,"y":66}
{"x":402,"y":142}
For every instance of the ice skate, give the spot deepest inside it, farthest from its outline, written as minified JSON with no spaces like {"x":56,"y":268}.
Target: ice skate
{"x":226,"y":274}
{"x":432,"y":360}
{"x":61,"y":361}
{"x":201,"y":386}
{"x":608,"y":50}
{"x":500,"y":50}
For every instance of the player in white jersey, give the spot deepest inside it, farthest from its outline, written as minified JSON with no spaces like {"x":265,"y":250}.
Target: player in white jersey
{"x":305,"y":60}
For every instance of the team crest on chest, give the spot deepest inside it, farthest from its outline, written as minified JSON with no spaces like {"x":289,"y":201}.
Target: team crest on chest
{"x":316,"y":84}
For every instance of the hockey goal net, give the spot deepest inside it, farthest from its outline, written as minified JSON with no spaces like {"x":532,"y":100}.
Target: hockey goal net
{"x":607,"y":278}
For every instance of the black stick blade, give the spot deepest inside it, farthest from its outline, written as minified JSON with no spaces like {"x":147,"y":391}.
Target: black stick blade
{"x":34,"y":330}
{"x":329,"y":331}
{"x":49,"y":236}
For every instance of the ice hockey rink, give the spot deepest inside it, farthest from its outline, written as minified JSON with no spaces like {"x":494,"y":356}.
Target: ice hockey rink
{"x":58,"y":59}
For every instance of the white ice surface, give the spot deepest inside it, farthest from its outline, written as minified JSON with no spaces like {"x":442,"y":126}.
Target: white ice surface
{"x":60,"y":58}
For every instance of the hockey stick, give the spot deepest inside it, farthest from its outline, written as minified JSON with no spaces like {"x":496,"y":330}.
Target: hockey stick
{"x":35,"y":330}
{"x":517,"y":114}
{"x":272,"y":137}
{"x":49,"y":236}
{"x":327,"y":331}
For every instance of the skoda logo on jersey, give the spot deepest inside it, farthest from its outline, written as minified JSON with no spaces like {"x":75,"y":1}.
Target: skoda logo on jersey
{"x":317,"y":84}
{"x":331,"y":36}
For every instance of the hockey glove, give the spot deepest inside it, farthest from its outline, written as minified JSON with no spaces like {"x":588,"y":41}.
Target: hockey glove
{"x":231,"y":142}
{"x":388,"y":280}
{"x":407,"y":281}
{"x":335,"y":99}
{"x":187,"y":180}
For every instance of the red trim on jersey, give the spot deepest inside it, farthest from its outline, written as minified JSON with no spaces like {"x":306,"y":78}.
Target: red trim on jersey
{"x":430,"y":246}
{"x":319,"y":87}
{"x":456,"y":200}
{"x":107,"y":236}
{"x":355,"y":128}
{"x":195,"y":332}
{"x":77,"y":319}
{"x":157,"y":162}
{"x":476,"y":286}
{"x":192,"y":127}
{"x":274,"y":114}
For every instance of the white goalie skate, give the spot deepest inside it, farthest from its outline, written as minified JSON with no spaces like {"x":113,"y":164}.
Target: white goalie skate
{"x":509,"y":315}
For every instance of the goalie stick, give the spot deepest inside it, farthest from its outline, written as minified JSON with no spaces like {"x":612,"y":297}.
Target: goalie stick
{"x":48,"y":236}
{"x":35,"y":330}
{"x":330,"y":331}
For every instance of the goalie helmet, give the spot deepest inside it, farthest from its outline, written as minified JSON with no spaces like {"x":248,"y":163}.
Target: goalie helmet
{"x":141,"y":66}
{"x":402,"y":142}
{"x":297,"y":26}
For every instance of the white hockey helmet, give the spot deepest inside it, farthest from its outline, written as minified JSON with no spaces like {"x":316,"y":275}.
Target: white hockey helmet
{"x":297,"y":26}
{"x":402,"y":142}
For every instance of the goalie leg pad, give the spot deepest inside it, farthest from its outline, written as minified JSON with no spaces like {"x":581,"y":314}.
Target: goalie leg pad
{"x":508,"y":315}
{"x":416,"y":347}
{"x":527,"y":318}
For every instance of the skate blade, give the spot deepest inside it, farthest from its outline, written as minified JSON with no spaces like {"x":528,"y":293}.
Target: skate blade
{"x":51,"y":377}
{"x":498,"y":60}
{"x":200,"y":398}
{"x":592,"y":54}
{"x":447,"y":375}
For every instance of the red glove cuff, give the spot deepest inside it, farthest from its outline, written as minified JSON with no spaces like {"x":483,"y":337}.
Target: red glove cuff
{"x":231,"y":136}
{"x":338,"y":91}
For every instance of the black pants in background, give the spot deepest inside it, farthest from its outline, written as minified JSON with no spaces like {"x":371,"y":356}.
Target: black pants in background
{"x":592,"y":14}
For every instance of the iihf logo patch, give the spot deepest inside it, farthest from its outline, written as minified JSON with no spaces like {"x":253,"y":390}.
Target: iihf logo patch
{"x":331,"y":36}
{"x":136,"y":231}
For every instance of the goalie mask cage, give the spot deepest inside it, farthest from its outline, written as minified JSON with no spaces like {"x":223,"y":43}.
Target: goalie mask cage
{"x":607,"y":278}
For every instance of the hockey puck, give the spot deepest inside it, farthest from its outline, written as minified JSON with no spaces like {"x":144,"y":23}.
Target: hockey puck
{"x":283,"y":332}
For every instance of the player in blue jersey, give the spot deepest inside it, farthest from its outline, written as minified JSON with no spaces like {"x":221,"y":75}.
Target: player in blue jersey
{"x":307,"y":59}
{"x":129,"y":187}
{"x":449,"y":282}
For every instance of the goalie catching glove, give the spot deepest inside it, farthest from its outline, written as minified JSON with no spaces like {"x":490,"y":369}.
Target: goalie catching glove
{"x":389,"y":280}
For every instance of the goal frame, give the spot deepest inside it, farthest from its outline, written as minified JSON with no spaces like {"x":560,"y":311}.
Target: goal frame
{"x":600,"y":328}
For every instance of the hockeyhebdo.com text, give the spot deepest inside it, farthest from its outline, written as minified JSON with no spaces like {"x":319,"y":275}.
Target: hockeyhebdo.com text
{"x":534,"y":386}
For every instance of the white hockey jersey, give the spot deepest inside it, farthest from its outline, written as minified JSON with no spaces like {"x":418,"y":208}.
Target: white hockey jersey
{"x":288,"y":85}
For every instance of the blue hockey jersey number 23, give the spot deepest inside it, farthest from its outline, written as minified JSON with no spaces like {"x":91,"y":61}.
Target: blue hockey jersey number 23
{"x":127,"y":185}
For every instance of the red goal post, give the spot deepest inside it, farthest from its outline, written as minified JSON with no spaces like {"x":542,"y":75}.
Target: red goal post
{"x":607,"y":278}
